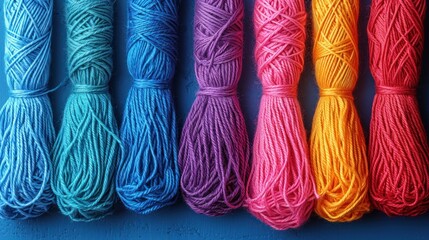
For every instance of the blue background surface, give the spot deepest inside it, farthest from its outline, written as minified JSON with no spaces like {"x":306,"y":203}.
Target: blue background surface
{"x":178,"y":221}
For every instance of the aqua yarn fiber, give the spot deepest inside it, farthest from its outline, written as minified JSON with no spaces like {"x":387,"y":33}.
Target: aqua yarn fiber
{"x":26,"y":125}
{"x":148,"y":174}
{"x":87,"y":147}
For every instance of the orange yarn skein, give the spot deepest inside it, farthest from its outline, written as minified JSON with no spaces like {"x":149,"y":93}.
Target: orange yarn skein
{"x":337,"y":142}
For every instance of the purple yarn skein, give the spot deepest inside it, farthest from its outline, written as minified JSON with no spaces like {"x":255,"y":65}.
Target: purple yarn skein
{"x":214,"y":148}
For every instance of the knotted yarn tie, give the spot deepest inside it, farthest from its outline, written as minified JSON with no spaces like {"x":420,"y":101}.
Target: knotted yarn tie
{"x":281,"y":91}
{"x":148,"y":173}
{"x":218,"y":92}
{"x":36,"y":93}
{"x":387,"y":90}
{"x":22,"y":93}
{"x":151,"y":84}
{"x":398,"y":148}
{"x":336,"y":92}
{"x":90,"y":89}
{"x":26,"y":121}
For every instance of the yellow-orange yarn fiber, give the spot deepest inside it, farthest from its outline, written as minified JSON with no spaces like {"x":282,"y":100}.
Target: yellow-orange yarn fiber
{"x":337,"y":142}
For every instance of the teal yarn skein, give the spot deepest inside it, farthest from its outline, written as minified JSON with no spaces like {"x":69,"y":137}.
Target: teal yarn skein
{"x":87,"y":147}
{"x":148,"y":175}
{"x":26,"y":122}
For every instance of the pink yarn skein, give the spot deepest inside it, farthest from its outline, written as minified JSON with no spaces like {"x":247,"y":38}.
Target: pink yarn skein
{"x":281,"y":189}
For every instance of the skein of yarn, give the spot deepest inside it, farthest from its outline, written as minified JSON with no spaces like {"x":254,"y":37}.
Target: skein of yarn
{"x":87,"y":147}
{"x":337,"y":142}
{"x":214,"y":150}
{"x":148,"y":175}
{"x":398,"y":147}
{"x":26,"y":122}
{"x":281,"y":189}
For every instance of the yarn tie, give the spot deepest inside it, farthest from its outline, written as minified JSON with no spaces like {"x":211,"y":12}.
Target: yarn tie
{"x":90,"y":89}
{"x":151,"y":84}
{"x":281,"y":91}
{"x":220,"y":92}
{"x":387,"y":90}
{"x":23,"y":93}
{"x":336,"y":92}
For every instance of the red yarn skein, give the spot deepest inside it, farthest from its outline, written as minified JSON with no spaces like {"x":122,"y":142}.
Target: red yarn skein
{"x":398,"y":149}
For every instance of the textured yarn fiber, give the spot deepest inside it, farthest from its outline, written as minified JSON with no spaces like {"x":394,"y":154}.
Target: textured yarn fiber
{"x":337,"y":143}
{"x":87,"y":146}
{"x":148,"y":175}
{"x":214,"y":150}
{"x":281,"y":189}
{"x":398,"y":147}
{"x":26,"y":124}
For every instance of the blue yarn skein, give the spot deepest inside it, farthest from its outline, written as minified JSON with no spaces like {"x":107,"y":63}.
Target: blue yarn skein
{"x":148,"y":175}
{"x":87,"y":147}
{"x":26,"y":122}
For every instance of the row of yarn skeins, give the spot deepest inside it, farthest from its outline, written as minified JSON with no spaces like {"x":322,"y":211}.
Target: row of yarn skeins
{"x":286,"y":180}
{"x":336,"y":176}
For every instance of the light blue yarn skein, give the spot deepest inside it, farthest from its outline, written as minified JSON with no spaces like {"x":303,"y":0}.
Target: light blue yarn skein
{"x":148,"y":175}
{"x":26,"y":122}
{"x":87,"y":147}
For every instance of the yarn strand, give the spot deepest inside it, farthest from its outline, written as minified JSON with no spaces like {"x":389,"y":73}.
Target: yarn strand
{"x":26,"y":122}
{"x":398,"y":144}
{"x":337,"y":142}
{"x":214,"y":146}
{"x":281,"y":189}
{"x":87,"y":147}
{"x":148,"y":175}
